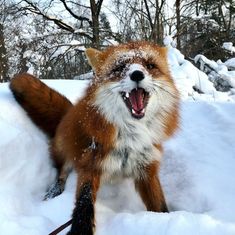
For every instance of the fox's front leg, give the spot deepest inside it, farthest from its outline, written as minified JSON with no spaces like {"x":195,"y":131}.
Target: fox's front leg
{"x":150,"y":190}
{"x":83,"y":218}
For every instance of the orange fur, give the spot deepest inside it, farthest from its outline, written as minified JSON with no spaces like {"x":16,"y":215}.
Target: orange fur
{"x":96,"y":142}
{"x":44,"y":105}
{"x":154,"y":199}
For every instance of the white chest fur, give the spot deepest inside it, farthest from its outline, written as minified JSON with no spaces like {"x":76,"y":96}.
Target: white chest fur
{"x":134,"y":150}
{"x":134,"y":145}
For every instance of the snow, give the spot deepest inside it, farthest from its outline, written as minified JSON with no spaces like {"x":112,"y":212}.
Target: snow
{"x":187,"y":75}
{"x":75,"y":42}
{"x":197,"y":171}
{"x":168,"y":41}
{"x":86,"y":76}
{"x":230,"y":63}
{"x":220,"y":68}
{"x":229,"y":46}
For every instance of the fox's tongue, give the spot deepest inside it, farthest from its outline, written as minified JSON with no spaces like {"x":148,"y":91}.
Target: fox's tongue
{"x":136,"y":98}
{"x":136,"y":101}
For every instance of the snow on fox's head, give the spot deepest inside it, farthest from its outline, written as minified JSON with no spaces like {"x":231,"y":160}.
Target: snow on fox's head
{"x":133,"y":80}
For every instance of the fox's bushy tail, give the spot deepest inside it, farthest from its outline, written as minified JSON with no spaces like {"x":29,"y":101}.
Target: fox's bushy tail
{"x":44,"y":106}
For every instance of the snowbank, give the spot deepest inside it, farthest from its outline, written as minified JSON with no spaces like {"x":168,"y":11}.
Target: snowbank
{"x":197,"y":175}
{"x":218,"y":69}
{"x":186,"y":74}
{"x":210,"y":79}
{"x":230,"y":63}
{"x":229,"y":47}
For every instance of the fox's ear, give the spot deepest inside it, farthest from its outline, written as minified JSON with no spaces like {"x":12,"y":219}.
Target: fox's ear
{"x":164,"y":51}
{"x":94,"y":57}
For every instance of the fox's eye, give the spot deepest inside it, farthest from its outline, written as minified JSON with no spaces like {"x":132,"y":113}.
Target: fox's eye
{"x":119,"y":68}
{"x":150,"y":66}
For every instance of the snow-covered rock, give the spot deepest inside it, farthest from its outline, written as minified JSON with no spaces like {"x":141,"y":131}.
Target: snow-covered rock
{"x":218,"y":72}
{"x":230,"y":63}
{"x":186,"y":75}
{"x":229,"y":47}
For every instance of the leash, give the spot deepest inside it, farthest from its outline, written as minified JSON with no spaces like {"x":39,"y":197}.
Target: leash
{"x":93,"y":146}
{"x":61,"y":228}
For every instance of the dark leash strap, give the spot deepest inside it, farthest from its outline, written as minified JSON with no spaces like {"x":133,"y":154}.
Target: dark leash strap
{"x":61,"y":228}
{"x":93,"y":147}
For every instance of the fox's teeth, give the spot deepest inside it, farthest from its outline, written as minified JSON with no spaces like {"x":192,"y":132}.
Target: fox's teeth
{"x":127,"y":95}
{"x":133,"y":111}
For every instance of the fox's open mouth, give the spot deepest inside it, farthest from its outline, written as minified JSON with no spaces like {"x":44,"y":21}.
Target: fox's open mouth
{"x":136,"y":101}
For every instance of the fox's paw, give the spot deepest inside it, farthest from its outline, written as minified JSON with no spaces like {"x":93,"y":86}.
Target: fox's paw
{"x":55,"y":189}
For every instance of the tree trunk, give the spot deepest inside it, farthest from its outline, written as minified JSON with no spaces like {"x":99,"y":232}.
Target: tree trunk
{"x":95,"y":12}
{"x":177,"y":5}
{"x":157,"y":36}
{"x":22,"y":67}
{"x":3,"y":57}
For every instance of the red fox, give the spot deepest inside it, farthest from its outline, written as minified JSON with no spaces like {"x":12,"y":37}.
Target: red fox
{"x":115,"y":130}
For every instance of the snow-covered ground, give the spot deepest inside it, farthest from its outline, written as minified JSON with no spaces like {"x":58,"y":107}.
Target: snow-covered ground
{"x":197,"y":172}
{"x":188,"y":76}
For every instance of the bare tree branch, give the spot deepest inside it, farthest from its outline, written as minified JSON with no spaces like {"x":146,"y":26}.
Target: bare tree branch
{"x":99,"y":4}
{"x":81,"y":18}
{"x":33,"y":8}
{"x":148,"y":14}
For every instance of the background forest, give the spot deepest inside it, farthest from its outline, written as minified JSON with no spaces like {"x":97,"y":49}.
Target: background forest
{"x":48,"y":37}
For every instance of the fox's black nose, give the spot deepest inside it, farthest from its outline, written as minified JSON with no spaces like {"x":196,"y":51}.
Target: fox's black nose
{"x":137,"y":76}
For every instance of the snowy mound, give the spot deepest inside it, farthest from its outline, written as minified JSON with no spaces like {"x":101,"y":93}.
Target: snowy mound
{"x":218,"y":69}
{"x":189,"y":78}
{"x":197,"y":174}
